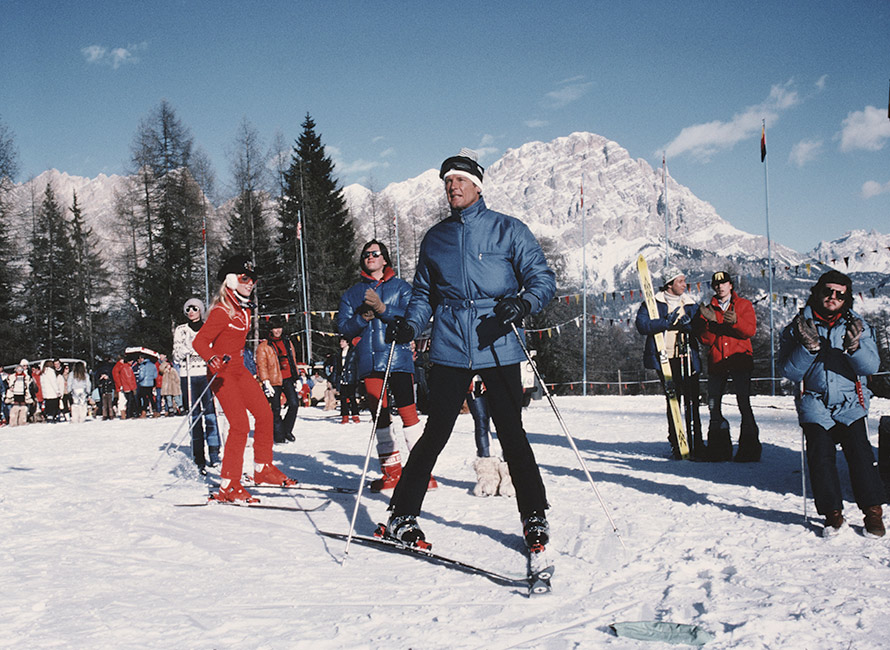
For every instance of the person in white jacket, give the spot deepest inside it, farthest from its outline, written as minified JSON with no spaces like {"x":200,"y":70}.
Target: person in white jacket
{"x":193,"y":379}
{"x":52,"y":387}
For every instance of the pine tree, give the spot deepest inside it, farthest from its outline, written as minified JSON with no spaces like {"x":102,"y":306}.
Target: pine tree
{"x":90,"y":286}
{"x":49,"y":287}
{"x":168,"y":208}
{"x":249,"y":230}
{"x":328,"y":236}
{"x":10,"y":323}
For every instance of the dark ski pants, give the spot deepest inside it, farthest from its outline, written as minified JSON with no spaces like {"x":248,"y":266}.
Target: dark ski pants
{"x":283,"y":429}
{"x":478,"y":406}
{"x":348,"y":401}
{"x":868,"y":490}
{"x":741,"y":382}
{"x":448,"y":389}
{"x":687,"y":395}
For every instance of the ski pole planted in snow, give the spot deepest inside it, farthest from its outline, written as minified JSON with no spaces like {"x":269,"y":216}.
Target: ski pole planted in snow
{"x":568,"y":436}
{"x":188,"y":417}
{"x":361,"y":485}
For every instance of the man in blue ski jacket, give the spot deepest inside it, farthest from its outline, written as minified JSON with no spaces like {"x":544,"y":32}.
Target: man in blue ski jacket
{"x":830,"y":350}
{"x":479,"y":273}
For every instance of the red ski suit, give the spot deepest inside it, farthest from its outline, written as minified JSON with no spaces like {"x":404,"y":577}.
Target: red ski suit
{"x":236,"y":389}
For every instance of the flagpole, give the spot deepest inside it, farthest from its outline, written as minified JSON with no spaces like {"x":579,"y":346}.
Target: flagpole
{"x":584,"y":295}
{"x":395,"y":220}
{"x":303,"y":267}
{"x":667,"y":255}
{"x":769,"y":249}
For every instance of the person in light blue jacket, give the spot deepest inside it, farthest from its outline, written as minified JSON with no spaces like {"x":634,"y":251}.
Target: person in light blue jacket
{"x":365,"y":309}
{"x":830,"y":350}
{"x":478,"y":275}
{"x":146,"y":373}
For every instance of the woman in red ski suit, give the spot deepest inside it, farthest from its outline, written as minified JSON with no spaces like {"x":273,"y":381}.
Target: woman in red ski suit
{"x":220,"y":342}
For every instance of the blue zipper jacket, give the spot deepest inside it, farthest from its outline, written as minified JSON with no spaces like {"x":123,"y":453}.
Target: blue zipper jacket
{"x":830,"y":375}
{"x":372,"y":351}
{"x":467,"y":262}
{"x":651,"y":326}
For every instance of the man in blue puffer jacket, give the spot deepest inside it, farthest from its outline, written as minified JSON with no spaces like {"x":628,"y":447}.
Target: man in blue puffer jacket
{"x":479,"y":272}
{"x":829,"y":348}
{"x":365,"y":309}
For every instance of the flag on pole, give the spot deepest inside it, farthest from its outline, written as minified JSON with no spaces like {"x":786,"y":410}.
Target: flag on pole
{"x":763,"y":143}
{"x":582,"y":194}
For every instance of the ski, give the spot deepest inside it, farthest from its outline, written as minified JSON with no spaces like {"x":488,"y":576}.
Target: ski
{"x":257,"y":506}
{"x":458,"y":565}
{"x":310,"y":487}
{"x":540,"y":571}
{"x":669,"y":385}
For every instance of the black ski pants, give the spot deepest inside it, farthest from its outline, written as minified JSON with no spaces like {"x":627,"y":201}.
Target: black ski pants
{"x":448,"y":389}
{"x":868,"y":489}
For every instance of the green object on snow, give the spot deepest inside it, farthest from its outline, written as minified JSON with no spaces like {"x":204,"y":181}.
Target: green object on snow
{"x":676,"y":633}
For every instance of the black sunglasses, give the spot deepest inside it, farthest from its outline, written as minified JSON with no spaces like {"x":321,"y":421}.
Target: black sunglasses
{"x":368,"y":254}
{"x":191,"y":308}
{"x":833,"y":293}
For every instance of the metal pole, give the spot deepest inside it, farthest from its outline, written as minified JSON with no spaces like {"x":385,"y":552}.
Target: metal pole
{"x":395,"y":218}
{"x":584,"y":296}
{"x":565,"y":431}
{"x":769,"y":249}
{"x":667,"y":255}
{"x":188,"y":418}
{"x":303,"y":269}
{"x":361,"y":485}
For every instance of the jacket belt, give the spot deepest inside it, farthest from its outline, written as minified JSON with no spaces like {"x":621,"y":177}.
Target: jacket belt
{"x":469,"y":302}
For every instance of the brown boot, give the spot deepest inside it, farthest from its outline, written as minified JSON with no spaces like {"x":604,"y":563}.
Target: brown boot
{"x":834,"y":521}
{"x":874,"y":524}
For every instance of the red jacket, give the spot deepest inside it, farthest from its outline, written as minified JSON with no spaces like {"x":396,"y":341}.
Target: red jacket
{"x":124,"y":378}
{"x":222,"y":334}
{"x":729,"y":346}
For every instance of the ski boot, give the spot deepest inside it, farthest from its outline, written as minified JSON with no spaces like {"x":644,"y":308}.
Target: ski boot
{"x":404,"y":530}
{"x":271,"y":475}
{"x":232,"y":491}
{"x":391,"y":466}
{"x":536,"y":531}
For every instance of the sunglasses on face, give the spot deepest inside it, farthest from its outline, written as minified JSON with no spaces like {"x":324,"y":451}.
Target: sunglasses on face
{"x":191,"y":308}
{"x":368,"y":254}
{"x":246,"y":279}
{"x":833,"y":293}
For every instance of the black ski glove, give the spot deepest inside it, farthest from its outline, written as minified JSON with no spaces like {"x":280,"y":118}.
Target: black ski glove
{"x":512,"y":310}
{"x":399,"y":331}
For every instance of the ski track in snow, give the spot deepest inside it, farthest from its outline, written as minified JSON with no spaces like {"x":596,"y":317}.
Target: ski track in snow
{"x":94,"y":555}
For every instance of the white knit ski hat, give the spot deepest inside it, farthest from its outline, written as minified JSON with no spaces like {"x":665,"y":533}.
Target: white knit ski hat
{"x":669,"y":274}
{"x":463,"y":164}
{"x":193,"y":302}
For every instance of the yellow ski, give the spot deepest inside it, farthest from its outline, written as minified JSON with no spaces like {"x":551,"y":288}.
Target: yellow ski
{"x":669,"y":386}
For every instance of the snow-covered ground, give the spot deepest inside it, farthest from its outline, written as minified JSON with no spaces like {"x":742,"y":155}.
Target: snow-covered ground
{"x":94,"y":555}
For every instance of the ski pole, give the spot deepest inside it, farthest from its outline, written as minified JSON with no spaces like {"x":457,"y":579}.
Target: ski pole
{"x":361,"y":485}
{"x":803,"y":476}
{"x":568,"y":436}
{"x":188,"y":417}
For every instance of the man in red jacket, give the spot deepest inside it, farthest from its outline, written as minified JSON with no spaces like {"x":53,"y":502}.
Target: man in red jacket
{"x":725,"y":327}
{"x":125,"y":382}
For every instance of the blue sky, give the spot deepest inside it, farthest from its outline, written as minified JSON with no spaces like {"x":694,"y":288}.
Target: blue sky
{"x":395,"y":87}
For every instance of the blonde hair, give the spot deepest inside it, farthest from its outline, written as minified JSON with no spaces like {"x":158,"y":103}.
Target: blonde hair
{"x":223,"y":298}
